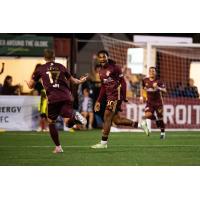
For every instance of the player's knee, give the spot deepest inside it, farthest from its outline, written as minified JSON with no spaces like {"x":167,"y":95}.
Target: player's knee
{"x":107,"y":115}
{"x":148,"y":115}
{"x":50,"y":121}
{"x":66,"y":120}
{"x":116,"y":119}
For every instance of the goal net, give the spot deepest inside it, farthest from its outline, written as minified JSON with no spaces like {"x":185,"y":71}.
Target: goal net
{"x":178,"y":65}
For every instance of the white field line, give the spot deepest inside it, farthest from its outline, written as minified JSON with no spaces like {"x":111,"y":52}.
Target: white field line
{"x":81,"y":146}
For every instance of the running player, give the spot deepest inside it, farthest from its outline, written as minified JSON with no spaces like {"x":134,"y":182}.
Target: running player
{"x":55,"y":79}
{"x":114,"y":88}
{"x":153,"y":88}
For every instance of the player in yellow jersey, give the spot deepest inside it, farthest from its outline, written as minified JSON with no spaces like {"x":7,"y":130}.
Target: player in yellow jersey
{"x":43,"y":112}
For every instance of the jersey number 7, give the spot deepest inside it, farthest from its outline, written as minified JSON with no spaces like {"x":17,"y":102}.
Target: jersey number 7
{"x":53,"y":78}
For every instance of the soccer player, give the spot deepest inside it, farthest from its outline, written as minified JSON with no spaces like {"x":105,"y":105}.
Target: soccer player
{"x":55,"y":79}
{"x":114,"y":88}
{"x":153,"y":88}
{"x":43,"y":112}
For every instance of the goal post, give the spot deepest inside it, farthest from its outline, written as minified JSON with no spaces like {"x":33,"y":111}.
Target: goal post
{"x":178,"y":65}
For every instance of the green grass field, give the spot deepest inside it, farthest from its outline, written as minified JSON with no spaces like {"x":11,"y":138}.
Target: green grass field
{"x":125,"y":149}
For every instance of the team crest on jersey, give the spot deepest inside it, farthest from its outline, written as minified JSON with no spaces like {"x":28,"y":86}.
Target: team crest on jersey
{"x":160,"y":110}
{"x":107,"y":73}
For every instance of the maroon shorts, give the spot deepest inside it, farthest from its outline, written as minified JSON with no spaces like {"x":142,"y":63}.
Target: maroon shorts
{"x":62,"y":108}
{"x":157,"y":108}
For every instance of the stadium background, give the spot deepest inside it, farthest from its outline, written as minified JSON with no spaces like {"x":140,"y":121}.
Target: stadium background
{"x":78,"y":53}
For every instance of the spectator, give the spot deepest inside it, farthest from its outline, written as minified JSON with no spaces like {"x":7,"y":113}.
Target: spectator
{"x":86,"y":107}
{"x":191,"y":90}
{"x":2,"y":69}
{"x":178,"y":91}
{"x":9,"y":89}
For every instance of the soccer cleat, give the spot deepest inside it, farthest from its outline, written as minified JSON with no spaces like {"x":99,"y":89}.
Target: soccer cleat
{"x":46,"y":130}
{"x":143,"y":125}
{"x":58,"y":149}
{"x":80,"y":119}
{"x":71,"y":130}
{"x":162,"y":136}
{"x":99,"y":146}
{"x":90,"y":127}
{"x":39,"y":129}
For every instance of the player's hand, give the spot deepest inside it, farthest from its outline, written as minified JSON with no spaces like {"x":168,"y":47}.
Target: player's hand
{"x":155,"y":85}
{"x":142,"y":100}
{"x":84,"y":78}
{"x":97,"y":106}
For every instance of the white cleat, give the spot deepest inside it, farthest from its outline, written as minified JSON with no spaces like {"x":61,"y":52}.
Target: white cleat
{"x":39,"y":129}
{"x":162,"y":136}
{"x":143,"y":125}
{"x":80,"y":119}
{"x":58,"y":149}
{"x":99,"y":146}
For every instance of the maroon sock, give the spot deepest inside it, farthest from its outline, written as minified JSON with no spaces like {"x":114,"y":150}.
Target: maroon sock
{"x":135,"y":124}
{"x":162,"y":126}
{"x":71,"y":122}
{"x":54,"y":134}
{"x":103,"y":138}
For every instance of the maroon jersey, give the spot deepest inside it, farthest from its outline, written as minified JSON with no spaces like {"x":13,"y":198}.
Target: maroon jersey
{"x":54,"y":79}
{"x":154,"y":96}
{"x":111,"y":77}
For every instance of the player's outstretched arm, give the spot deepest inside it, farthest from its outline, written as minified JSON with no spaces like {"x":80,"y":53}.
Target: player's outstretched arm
{"x":30,"y":83}
{"x":78,"y":81}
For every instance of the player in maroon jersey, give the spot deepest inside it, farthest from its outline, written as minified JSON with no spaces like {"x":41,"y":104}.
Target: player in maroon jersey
{"x":114,"y":88}
{"x":153,"y":88}
{"x":55,"y":79}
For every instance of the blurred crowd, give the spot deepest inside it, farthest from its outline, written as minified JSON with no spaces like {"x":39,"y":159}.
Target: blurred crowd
{"x":189,"y":90}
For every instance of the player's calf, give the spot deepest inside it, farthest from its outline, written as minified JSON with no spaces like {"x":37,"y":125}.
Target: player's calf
{"x":162,"y":128}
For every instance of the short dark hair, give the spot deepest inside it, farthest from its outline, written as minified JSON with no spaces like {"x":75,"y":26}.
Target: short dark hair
{"x":152,"y":67}
{"x":49,"y":54}
{"x":103,"y":52}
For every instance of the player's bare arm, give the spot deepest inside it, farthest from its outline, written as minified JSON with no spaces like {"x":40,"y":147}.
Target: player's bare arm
{"x":78,"y":81}
{"x":143,"y":95}
{"x":162,"y":89}
{"x":30,"y":83}
{"x":97,"y":106}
